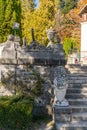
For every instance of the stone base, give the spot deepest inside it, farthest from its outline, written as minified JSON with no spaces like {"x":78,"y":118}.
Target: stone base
{"x":62,"y":114}
{"x":63,"y":103}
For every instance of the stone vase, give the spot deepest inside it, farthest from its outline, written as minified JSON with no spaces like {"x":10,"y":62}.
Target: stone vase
{"x":50,"y":35}
{"x":60,"y":94}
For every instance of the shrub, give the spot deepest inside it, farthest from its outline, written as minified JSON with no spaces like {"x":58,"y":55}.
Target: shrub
{"x":69,"y":44}
{"x":15,"y":112}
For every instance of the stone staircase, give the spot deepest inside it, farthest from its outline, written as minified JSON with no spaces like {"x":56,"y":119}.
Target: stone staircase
{"x":74,"y":117}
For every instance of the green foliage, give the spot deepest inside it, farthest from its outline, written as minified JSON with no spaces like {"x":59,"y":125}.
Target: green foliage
{"x":40,"y":19}
{"x":68,"y":45}
{"x":15,"y":112}
{"x":37,"y":91}
{"x":10,"y":12}
{"x":61,"y":4}
{"x":67,"y":5}
{"x":28,"y":5}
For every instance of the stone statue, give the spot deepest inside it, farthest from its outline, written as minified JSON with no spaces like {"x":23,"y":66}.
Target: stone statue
{"x":50,"y":35}
{"x":60,"y":86}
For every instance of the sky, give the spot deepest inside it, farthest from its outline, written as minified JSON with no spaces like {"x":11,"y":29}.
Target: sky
{"x":36,"y":2}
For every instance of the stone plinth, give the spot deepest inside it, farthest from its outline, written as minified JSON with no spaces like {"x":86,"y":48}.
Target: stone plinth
{"x":62,"y":114}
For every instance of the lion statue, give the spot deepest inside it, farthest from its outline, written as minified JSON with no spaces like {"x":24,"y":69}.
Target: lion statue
{"x":60,"y":86}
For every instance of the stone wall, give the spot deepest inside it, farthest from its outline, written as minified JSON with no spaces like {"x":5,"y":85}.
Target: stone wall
{"x":18,"y":65}
{"x":30,"y":69}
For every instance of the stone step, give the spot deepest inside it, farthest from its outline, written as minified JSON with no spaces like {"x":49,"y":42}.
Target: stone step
{"x":82,"y":116}
{"x":77,"y":85}
{"x":77,"y":75}
{"x":77,"y":90}
{"x":84,"y":81}
{"x":78,"y":101}
{"x":70,"y":109}
{"x":77,"y":78}
{"x":76,"y":71}
{"x":82,"y":125}
{"x":62,"y":110}
{"x":76,"y":96}
{"x":78,"y":108}
{"x":73,"y":65}
{"x":76,"y":66}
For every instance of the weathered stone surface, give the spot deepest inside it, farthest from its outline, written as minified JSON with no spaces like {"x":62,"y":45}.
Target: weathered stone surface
{"x":60,"y":86}
{"x":63,"y":118}
{"x":32,"y":54}
{"x":62,"y":110}
{"x":62,"y":114}
{"x":77,"y":97}
{"x":5,"y":91}
{"x":29,"y":66}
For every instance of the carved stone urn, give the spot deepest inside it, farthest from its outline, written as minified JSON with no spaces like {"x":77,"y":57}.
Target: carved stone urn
{"x":60,"y":86}
{"x":50,"y":35}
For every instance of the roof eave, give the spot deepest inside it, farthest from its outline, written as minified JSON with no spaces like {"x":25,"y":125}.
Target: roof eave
{"x":83,"y":10}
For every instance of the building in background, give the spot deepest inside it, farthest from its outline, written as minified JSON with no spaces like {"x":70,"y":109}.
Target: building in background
{"x":83,"y":15}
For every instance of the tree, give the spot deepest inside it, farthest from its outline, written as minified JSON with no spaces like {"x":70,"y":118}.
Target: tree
{"x":67,"y":5}
{"x":40,"y":19}
{"x":28,"y":5}
{"x":2,"y":8}
{"x":68,"y":24}
{"x":28,"y":8}
{"x":61,"y":4}
{"x":10,"y":12}
{"x":68,"y":45}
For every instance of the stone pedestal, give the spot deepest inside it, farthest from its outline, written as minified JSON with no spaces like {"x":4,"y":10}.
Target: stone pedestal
{"x":62,"y":114}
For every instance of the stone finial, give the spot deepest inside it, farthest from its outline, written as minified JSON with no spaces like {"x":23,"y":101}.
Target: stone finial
{"x":24,"y":41}
{"x":34,"y":44}
{"x":10,"y":37}
{"x":32,"y":33}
